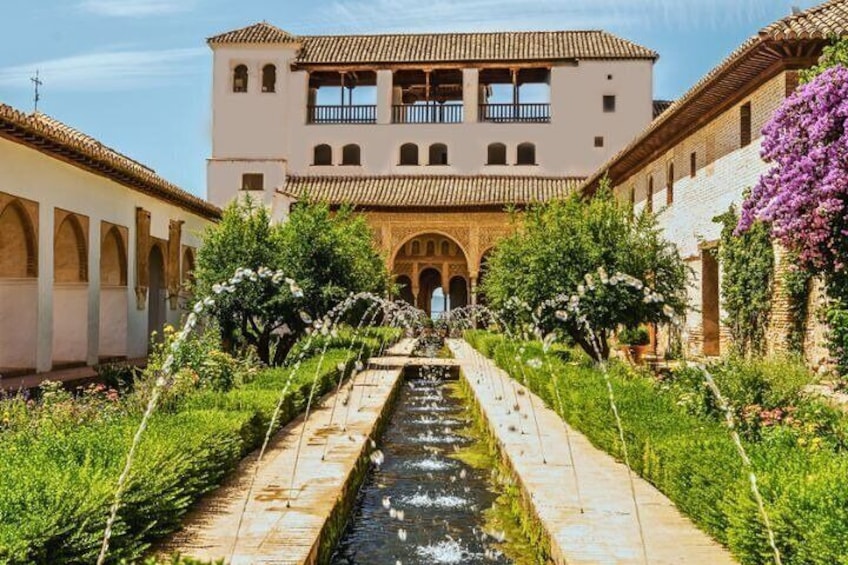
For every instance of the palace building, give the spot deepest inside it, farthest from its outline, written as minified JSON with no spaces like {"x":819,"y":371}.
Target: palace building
{"x":94,"y":249}
{"x":431,"y":136}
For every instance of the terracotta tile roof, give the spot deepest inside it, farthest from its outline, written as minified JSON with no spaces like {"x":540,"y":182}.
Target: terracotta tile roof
{"x":824,"y":20}
{"x":444,"y":47}
{"x":261,"y":32}
{"x":724,"y":83}
{"x":61,"y":141}
{"x":429,"y":191}
{"x":661,"y":106}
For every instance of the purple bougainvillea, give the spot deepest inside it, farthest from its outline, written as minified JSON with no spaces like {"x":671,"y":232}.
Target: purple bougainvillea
{"x":805,"y":195}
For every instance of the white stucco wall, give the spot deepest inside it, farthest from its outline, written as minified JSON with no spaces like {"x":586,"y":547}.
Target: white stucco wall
{"x":268,"y":132}
{"x":18,"y":322}
{"x":61,"y":322}
{"x":113,"y":321}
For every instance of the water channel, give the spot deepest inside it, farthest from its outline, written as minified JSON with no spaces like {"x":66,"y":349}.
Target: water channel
{"x":424,"y":504}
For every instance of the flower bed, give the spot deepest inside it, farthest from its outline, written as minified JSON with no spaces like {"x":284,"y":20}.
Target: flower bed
{"x":676,"y":441}
{"x":60,"y":458}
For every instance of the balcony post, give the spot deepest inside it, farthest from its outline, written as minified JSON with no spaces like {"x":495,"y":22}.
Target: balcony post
{"x":470,"y":94}
{"x":385,"y":94}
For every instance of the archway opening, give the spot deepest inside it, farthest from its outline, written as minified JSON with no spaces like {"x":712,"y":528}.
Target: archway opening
{"x":404,"y":284}
{"x":429,"y":281}
{"x":17,"y":243}
{"x":156,"y":293}
{"x":458,"y":297}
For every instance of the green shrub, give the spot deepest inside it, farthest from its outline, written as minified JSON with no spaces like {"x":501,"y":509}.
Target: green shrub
{"x":688,"y":453}
{"x":58,"y":475}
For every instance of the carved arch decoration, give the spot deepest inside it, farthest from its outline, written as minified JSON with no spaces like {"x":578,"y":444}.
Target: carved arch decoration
{"x":18,"y":237}
{"x":113,"y":255}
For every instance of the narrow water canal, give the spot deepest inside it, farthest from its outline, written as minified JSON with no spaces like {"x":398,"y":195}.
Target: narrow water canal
{"x":423,"y":505}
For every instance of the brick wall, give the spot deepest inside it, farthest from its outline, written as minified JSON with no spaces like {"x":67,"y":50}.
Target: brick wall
{"x":724,"y":171}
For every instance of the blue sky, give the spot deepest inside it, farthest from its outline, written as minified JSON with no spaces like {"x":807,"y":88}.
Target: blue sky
{"x":136,"y":73}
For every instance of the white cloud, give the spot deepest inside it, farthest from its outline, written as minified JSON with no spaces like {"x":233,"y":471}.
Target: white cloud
{"x":107,"y":71}
{"x":365,"y":16}
{"x":136,"y":8}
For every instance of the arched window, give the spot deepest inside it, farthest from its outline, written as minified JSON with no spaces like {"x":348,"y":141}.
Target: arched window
{"x":445,"y":248}
{"x":649,"y":201}
{"x":416,"y":247}
{"x":269,"y":78}
{"x":240,"y":78}
{"x":113,"y":259}
{"x":526,"y":154}
{"x":70,"y":256}
{"x":438,"y":154}
{"x":497,"y":154}
{"x":351,"y":155}
{"x":18,"y":258}
{"x":322,"y":155}
{"x":188,"y":266}
{"x":408,"y":154}
{"x":669,"y":186}
{"x":431,"y":248}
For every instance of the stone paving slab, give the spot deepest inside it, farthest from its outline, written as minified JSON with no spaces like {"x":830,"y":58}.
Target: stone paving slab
{"x":607,"y":531}
{"x":269,"y":532}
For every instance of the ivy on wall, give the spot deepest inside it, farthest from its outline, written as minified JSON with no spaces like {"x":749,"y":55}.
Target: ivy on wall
{"x":747,"y":263}
{"x":796,"y":281}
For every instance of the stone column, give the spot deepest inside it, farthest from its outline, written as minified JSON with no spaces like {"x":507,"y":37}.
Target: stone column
{"x":470,"y":94}
{"x":473,"y":297}
{"x":94,"y":245}
{"x":44,"y":345}
{"x":384,"y":96}
{"x":142,"y":256}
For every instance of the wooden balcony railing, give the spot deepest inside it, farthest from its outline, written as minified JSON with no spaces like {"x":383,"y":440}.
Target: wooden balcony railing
{"x":355,"y":114}
{"x":515,"y":113}
{"x":427,"y":114}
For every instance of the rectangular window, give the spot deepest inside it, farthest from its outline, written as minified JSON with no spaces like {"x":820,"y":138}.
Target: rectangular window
{"x":609,"y":103}
{"x":693,"y":164}
{"x":745,"y":125}
{"x":599,"y":141}
{"x":253,"y":181}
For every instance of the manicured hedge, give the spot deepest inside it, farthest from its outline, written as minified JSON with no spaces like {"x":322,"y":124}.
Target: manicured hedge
{"x":57,"y":482}
{"x":692,"y":460}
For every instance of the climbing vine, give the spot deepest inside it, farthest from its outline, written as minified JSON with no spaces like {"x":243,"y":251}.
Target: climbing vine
{"x":796,"y":281}
{"x":747,"y":262}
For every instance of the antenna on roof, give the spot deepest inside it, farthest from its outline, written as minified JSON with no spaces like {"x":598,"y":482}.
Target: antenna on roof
{"x":37,"y":83}
{"x":796,"y":10}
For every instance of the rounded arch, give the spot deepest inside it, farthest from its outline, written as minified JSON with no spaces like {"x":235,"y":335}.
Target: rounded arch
{"x":351,"y":155}
{"x":458,"y":292}
{"x":18,"y":251}
{"x":429,"y":280}
{"x":322,"y":155}
{"x":240,"y":78}
{"x":188,"y":264}
{"x":422,"y":234}
{"x":269,"y":78}
{"x":156,"y":313}
{"x":438,"y":154}
{"x":113,"y":259}
{"x":404,"y":284}
{"x":526,"y":154}
{"x":409,"y":154}
{"x":70,"y":255}
{"x":496,"y":154}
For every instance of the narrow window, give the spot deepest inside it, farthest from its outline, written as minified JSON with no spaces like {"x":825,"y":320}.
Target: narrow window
{"x":649,"y":201}
{"x":609,"y":103}
{"x":269,"y":78}
{"x":408,"y":154}
{"x":693,"y":164}
{"x":669,"y":185}
{"x":526,"y":154}
{"x":496,"y":154}
{"x":322,"y":155}
{"x":351,"y":155}
{"x":240,"y":78}
{"x":599,"y":141}
{"x":632,"y":196}
{"x":438,"y":154}
{"x":253,"y":181}
{"x":745,"y":125}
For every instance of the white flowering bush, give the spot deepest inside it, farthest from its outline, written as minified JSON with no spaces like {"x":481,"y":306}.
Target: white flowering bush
{"x":592,"y":256}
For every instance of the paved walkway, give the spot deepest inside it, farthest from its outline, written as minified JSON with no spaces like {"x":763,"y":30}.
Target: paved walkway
{"x":607,"y":531}
{"x":270,"y":532}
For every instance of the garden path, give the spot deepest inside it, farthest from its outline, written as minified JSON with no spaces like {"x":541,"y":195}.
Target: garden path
{"x":607,"y":531}
{"x":270,"y":532}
